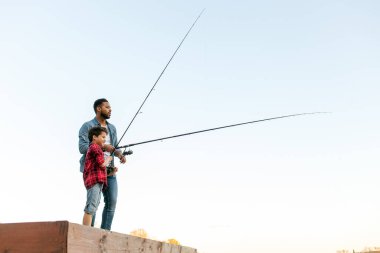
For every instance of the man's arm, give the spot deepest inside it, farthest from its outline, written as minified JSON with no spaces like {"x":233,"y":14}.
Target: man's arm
{"x":119,"y":155}
{"x":118,"y":152}
{"x":84,"y":142}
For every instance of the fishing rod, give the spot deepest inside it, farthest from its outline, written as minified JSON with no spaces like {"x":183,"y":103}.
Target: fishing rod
{"x":129,"y":152}
{"x":171,"y":58}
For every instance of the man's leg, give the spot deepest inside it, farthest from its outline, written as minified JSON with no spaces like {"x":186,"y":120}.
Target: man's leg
{"x":110,"y":199}
{"x":93,"y":220}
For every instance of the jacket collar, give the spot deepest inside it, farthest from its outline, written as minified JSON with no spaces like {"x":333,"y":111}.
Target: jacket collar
{"x":95,"y":121}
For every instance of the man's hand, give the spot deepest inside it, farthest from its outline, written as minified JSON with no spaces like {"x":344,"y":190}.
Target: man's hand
{"x":119,"y":155}
{"x":122,"y":159}
{"x":108,"y":148}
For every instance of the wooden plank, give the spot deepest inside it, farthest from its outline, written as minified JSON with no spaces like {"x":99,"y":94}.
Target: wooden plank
{"x":65,"y":237}
{"x":82,"y":239}
{"x":34,"y":237}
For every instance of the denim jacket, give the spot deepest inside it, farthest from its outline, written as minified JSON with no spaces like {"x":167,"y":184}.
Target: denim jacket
{"x":84,"y":142}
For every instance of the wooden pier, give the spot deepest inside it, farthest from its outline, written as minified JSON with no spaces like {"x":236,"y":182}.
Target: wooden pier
{"x":66,"y":237}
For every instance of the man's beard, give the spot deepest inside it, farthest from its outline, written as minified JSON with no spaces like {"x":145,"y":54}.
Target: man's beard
{"x":104,"y":115}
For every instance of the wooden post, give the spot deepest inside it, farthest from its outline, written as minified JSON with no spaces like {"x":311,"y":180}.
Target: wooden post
{"x":34,"y":237}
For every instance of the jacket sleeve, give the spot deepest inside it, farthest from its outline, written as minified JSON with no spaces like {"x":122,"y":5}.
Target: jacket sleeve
{"x":115,"y":139}
{"x":84,"y":142}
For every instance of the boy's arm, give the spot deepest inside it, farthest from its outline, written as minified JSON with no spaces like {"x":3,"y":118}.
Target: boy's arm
{"x":99,"y":157}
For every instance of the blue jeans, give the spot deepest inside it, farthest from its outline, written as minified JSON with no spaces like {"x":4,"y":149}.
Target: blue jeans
{"x":110,"y":199}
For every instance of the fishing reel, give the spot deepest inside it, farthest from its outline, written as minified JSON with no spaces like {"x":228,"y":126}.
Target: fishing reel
{"x":110,"y":169}
{"x":127,"y":152}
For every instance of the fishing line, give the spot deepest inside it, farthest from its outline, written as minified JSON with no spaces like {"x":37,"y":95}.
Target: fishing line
{"x":215,"y":128}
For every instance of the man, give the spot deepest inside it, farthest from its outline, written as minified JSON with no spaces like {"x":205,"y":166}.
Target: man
{"x":103,"y":112}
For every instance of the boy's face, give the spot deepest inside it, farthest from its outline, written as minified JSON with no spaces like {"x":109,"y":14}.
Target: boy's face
{"x":101,"y":139}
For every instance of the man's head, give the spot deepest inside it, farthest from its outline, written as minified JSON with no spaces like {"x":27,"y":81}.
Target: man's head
{"x":98,"y":135}
{"x":102,"y":108}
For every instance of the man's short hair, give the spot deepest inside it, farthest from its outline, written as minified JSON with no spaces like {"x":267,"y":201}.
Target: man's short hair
{"x":98,"y":102}
{"x":96,"y":130}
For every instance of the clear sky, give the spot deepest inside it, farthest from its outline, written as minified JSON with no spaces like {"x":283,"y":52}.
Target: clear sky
{"x":305,"y":184}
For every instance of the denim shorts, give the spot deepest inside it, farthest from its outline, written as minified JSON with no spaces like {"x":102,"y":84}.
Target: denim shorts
{"x":93,"y":198}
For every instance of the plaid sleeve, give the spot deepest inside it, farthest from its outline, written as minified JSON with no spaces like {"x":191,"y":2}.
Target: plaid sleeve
{"x":99,"y":156}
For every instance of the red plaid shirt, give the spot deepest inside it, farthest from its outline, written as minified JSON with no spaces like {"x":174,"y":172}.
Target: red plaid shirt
{"x":93,"y":171}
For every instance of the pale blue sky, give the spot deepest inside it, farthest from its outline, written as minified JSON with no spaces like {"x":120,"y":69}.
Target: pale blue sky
{"x":306,"y":184}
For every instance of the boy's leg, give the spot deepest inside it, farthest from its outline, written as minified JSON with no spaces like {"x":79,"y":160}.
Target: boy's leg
{"x":92,"y":203}
{"x":87,"y":218}
{"x":110,"y":199}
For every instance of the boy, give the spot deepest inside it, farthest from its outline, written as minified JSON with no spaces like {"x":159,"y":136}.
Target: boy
{"x":95,"y":173}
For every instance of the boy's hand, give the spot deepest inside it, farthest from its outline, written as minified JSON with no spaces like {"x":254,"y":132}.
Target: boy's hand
{"x":107,"y":161}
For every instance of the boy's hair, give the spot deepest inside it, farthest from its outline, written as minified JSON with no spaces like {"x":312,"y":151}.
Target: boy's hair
{"x":97,"y":130}
{"x":99,"y":102}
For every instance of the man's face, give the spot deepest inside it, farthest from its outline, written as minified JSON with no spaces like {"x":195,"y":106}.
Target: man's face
{"x":105,"y":110}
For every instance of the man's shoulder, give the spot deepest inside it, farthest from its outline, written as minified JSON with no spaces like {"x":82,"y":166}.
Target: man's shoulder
{"x":90,"y":123}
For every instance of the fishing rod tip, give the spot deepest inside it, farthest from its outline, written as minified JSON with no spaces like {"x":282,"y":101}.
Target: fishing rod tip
{"x":323,"y":112}
{"x":200,"y":14}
